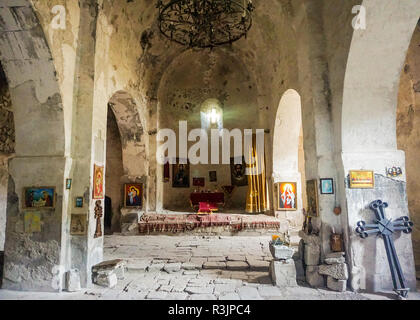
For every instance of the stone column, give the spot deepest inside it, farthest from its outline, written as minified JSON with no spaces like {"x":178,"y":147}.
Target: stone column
{"x":317,"y":115}
{"x":367,"y":258}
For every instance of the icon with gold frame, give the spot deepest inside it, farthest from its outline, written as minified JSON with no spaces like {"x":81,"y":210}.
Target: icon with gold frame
{"x":362,"y":179}
{"x":286,"y":195}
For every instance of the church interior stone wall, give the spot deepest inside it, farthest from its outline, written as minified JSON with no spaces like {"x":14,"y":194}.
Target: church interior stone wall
{"x":98,"y":91}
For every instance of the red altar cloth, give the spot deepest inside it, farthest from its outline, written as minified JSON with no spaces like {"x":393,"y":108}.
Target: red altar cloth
{"x":211,"y":197}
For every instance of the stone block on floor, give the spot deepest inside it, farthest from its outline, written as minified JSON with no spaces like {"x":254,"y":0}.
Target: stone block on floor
{"x":73,"y":280}
{"x":283,"y":273}
{"x":336,"y":285}
{"x":312,"y":254}
{"x":337,"y":271}
{"x":108,"y":280}
{"x":116,"y":266}
{"x":313,"y":278}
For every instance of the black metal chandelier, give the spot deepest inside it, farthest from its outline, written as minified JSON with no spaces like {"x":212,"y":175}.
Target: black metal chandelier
{"x":205,"y":23}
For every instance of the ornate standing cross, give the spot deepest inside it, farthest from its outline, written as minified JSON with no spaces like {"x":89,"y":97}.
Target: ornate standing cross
{"x":385,"y":228}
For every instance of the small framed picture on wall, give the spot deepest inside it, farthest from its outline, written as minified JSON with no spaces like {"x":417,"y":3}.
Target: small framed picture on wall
{"x":327,"y":186}
{"x":68,"y":184}
{"x":79,"y":202}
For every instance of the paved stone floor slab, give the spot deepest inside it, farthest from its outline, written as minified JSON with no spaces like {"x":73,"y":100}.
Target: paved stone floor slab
{"x":191,"y":282}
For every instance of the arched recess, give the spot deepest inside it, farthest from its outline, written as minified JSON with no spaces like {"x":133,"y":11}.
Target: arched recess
{"x":32,"y":259}
{"x":368,"y":137}
{"x":135,"y":160}
{"x":190,"y":81}
{"x":288,"y":156}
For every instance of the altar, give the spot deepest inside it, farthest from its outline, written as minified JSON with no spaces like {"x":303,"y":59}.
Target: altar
{"x":214,"y":199}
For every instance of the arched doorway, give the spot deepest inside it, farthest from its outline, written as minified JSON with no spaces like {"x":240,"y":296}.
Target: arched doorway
{"x":114,"y":173}
{"x":126,"y":160}
{"x":288,"y":156}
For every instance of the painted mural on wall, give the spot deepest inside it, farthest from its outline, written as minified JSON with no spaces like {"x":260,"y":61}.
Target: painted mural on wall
{"x":39,"y":197}
{"x":32,"y":221}
{"x":133,"y":194}
{"x":98,"y":182}
{"x":180,"y":175}
{"x":238,"y":173}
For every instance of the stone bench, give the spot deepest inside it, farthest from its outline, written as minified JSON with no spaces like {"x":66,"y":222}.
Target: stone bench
{"x":107,"y":273}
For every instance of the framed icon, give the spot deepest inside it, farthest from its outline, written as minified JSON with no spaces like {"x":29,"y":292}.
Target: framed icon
{"x":68,"y":184}
{"x":133,"y":195}
{"x":286,"y":195}
{"x":39,"y":197}
{"x":312,"y":198}
{"x":327,"y":186}
{"x":362,"y":179}
{"x":79,"y":202}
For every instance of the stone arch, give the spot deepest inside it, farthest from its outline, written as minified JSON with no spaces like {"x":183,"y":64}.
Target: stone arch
{"x":40,"y":158}
{"x":375,"y":61}
{"x":408,"y":134}
{"x":134,"y":143}
{"x":183,"y":88}
{"x":288,"y":150}
{"x":368,"y":137}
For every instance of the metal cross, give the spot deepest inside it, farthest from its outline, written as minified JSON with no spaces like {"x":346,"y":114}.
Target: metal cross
{"x":385,"y":228}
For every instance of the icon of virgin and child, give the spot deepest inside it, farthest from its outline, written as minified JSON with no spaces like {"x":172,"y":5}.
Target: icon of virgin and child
{"x":133,"y":195}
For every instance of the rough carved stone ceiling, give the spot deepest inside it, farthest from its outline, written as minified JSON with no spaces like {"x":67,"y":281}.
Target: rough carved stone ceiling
{"x":269,"y":45}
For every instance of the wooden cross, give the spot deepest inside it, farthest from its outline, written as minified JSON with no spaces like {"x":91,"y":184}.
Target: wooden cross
{"x":386,"y":227}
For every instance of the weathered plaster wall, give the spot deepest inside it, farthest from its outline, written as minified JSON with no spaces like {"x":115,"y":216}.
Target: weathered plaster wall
{"x":408,"y":133}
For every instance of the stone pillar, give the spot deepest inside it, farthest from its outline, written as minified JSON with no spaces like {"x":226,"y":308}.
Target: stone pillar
{"x":88,"y":148}
{"x":317,"y":116}
{"x":369,"y":268}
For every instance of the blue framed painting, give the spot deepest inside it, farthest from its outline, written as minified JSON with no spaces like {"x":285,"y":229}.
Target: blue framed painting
{"x":327,"y":186}
{"x":39,"y":197}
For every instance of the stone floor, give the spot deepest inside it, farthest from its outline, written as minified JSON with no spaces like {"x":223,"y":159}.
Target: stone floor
{"x":195,"y":268}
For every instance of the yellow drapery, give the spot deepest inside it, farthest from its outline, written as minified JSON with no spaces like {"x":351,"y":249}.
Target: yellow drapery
{"x":257,"y":198}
